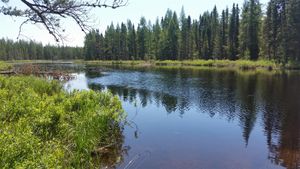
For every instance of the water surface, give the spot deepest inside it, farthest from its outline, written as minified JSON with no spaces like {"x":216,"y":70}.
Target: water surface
{"x":189,"y":118}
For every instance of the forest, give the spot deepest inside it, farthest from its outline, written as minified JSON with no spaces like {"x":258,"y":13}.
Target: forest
{"x":24,"y":50}
{"x":235,"y":33}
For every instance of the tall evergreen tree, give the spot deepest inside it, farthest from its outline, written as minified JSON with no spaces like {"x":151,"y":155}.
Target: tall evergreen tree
{"x":215,"y":26}
{"x":183,"y":51}
{"x":250,"y":24}
{"x":90,"y":49}
{"x":223,"y":33}
{"x":132,"y":45}
{"x":156,"y":37}
{"x":123,"y":43}
{"x":233,"y":33}
{"x":141,"y":38}
{"x":206,"y":36}
{"x":293,"y":25}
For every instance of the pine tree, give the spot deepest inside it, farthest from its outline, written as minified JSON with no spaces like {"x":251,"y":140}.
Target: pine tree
{"x":123,"y":43}
{"x":132,"y":45}
{"x":90,"y":50}
{"x":116,"y":43}
{"x":250,"y":25}
{"x":293,"y":25}
{"x":98,"y":45}
{"x":156,"y":37}
{"x":169,"y":37}
{"x":215,"y":30}
{"x":141,"y":38}
{"x":189,"y":38}
{"x":195,"y":42}
{"x":223,"y":36}
{"x":233,"y":33}
{"x":173,"y":32}
{"x":205,"y":29}
{"x":183,"y":36}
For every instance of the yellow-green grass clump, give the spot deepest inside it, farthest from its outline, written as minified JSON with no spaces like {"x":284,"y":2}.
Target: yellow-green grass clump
{"x":44,"y":126}
{"x":4,"y":66}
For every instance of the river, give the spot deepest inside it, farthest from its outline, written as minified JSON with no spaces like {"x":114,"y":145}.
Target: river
{"x":202,"y":118}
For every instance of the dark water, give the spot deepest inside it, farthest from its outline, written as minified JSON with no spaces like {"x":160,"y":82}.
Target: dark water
{"x":187,"y":118}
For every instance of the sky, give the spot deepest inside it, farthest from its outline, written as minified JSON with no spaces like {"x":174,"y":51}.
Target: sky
{"x":135,"y":9}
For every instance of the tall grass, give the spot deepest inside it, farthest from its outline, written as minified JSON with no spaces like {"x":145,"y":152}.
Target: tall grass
{"x":4,"y":66}
{"x":43,"y":126}
{"x":239,"y":64}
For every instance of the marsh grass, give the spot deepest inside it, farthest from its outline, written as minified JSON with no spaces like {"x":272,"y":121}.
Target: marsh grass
{"x":238,"y":64}
{"x":5,"y":66}
{"x":43,"y":126}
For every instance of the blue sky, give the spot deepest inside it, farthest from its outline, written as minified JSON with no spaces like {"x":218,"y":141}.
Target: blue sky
{"x":102,"y":17}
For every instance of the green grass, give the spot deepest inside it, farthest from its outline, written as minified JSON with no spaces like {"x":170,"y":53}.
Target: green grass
{"x":115,"y":62}
{"x":239,"y":64}
{"x":4,"y":66}
{"x":40,"y":61}
{"x":44,"y":126}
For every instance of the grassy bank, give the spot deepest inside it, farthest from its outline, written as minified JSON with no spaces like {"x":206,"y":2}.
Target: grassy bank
{"x":43,"y":126}
{"x":40,"y":61}
{"x":239,"y":64}
{"x":4,"y":66}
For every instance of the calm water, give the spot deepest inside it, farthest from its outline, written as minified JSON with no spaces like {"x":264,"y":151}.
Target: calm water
{"x":185,"y":118}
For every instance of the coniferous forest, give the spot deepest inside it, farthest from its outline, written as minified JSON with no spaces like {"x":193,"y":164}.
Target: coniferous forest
{"x":24,"y":50}
{"x":234,"y":33}
{"x":247,"y":32}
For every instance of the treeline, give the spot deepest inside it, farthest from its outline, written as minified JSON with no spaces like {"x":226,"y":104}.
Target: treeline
{"x":24,"y":50}
{"x":236,"y":33}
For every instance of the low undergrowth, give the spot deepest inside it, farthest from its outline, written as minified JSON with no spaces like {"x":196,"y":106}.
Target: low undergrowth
{"x":44,"y":126}
{"x":4,"y":66}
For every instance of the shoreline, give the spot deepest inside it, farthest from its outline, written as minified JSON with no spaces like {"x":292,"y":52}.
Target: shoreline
{"x":215,"y":64}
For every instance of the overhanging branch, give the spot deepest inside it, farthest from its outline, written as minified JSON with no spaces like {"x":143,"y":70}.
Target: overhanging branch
{"x":50,"y":12}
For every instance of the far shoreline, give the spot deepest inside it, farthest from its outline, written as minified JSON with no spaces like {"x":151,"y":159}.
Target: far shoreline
{"x":215,"y":64}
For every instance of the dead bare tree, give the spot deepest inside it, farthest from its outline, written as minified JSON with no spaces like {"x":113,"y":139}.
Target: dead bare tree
{"x":50,"y":13}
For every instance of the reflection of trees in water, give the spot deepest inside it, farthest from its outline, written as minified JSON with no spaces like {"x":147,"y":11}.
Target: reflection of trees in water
{"x":282,"y":120}
{"x":169,"y":102}
{"x":246,"y":96}
{"x":243,"y":97}
{"x":145,"y":97}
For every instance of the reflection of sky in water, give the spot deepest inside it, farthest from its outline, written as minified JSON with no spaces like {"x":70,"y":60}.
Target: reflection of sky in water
{"x":205,"y":119}
{"x":78,"y":83}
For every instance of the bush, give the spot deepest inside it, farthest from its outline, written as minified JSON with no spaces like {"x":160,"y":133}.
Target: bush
{"x":43,"y":126}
